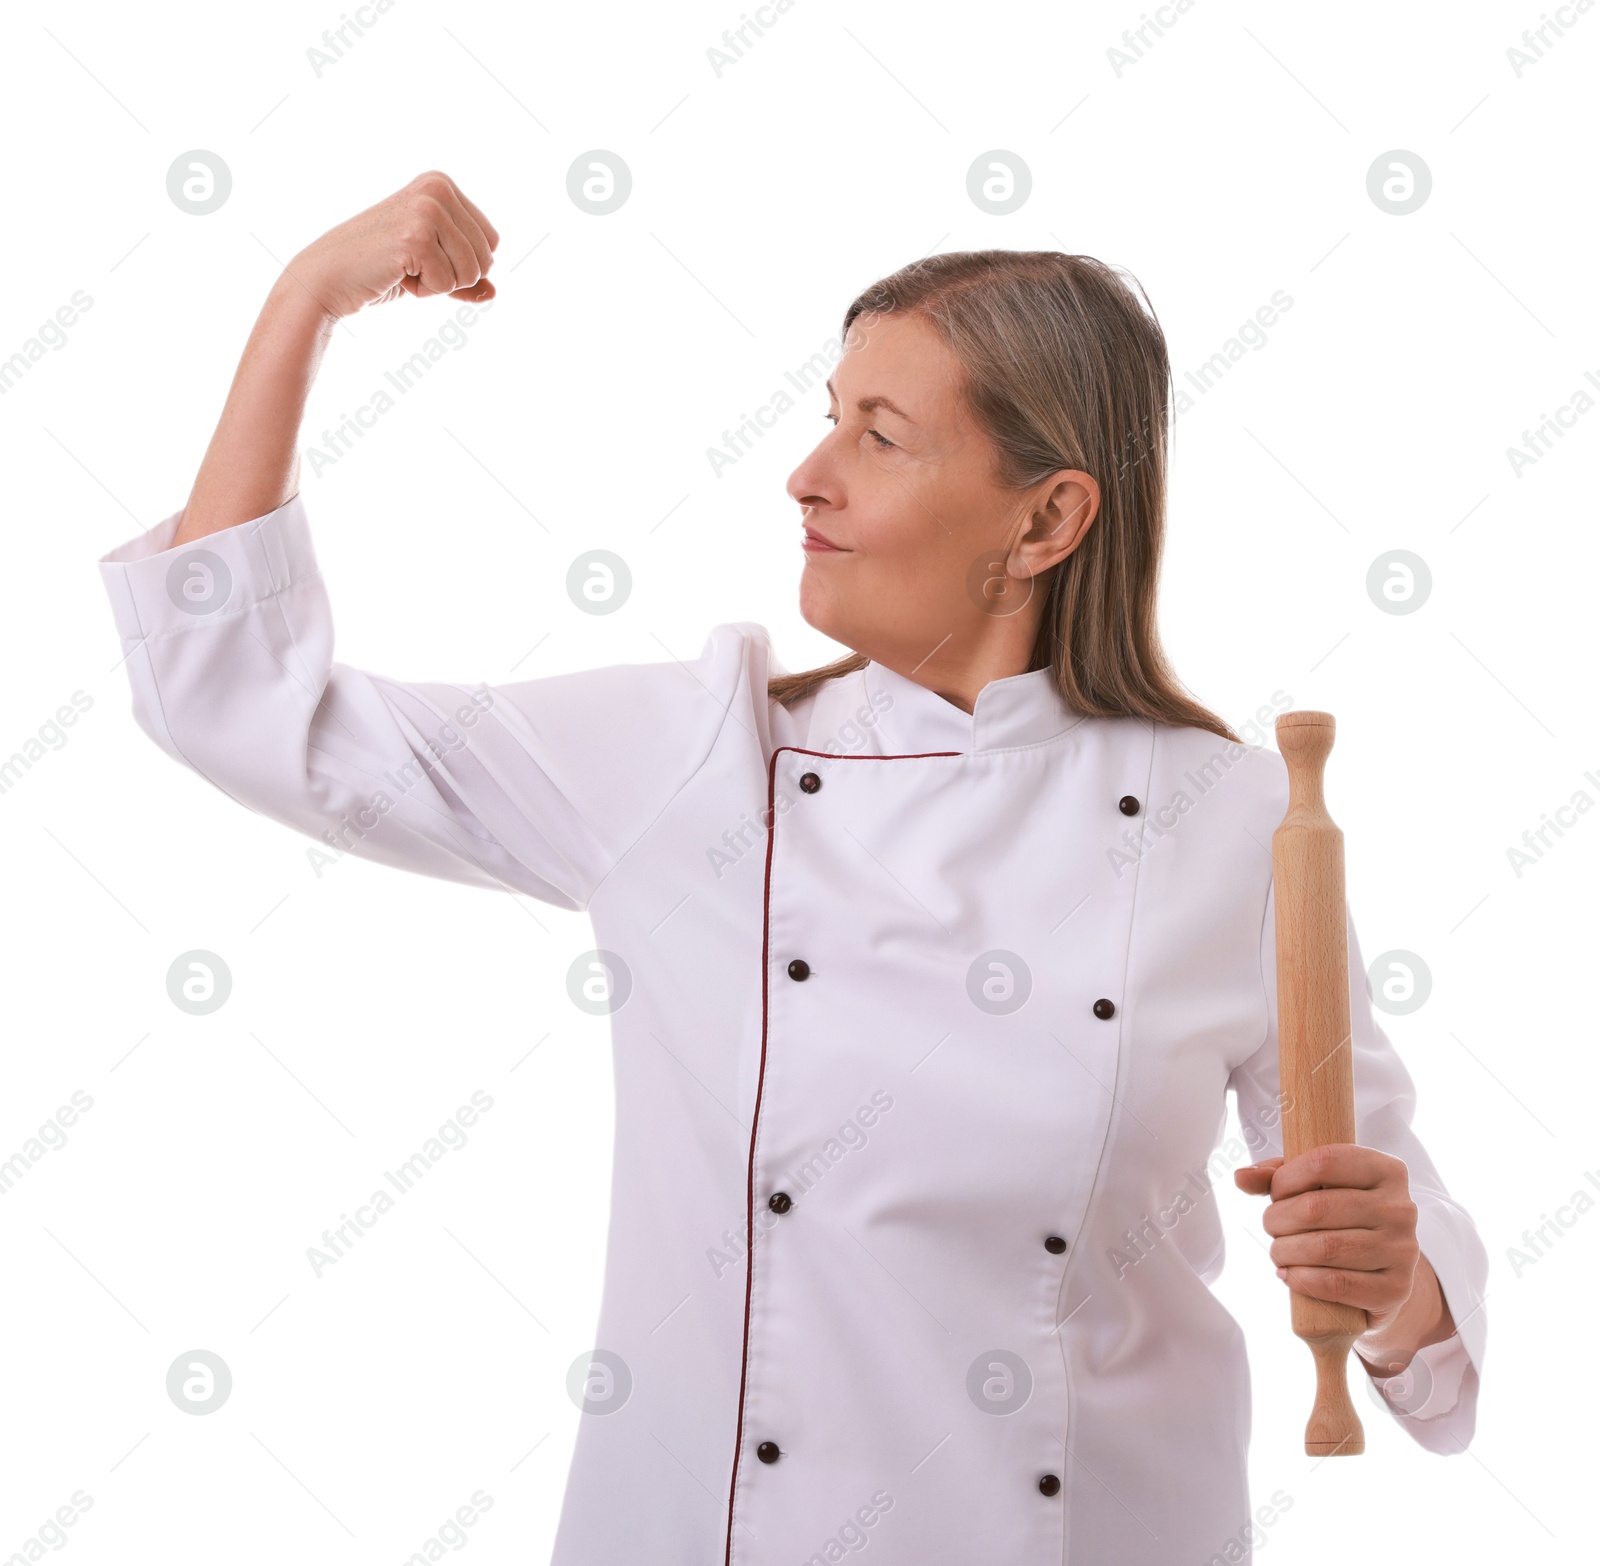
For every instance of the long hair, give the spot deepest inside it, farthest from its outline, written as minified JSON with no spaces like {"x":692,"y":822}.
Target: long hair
{"x":1062,"y":368}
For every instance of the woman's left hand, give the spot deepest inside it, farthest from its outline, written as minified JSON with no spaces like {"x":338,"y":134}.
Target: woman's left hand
{"x":1344,"y":1228}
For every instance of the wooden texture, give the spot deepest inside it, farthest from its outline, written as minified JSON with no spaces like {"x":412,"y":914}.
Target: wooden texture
{"x":1314,"y":1058}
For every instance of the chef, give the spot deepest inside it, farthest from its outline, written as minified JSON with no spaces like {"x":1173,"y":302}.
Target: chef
{"x":928,"y":972}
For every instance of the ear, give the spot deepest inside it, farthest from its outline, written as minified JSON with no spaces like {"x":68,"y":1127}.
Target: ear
{"x":1061,"y":511}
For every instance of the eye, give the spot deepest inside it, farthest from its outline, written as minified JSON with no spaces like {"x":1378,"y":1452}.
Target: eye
{"x":882,"y":443}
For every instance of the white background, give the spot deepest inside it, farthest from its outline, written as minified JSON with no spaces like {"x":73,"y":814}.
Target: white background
{"x":1227,"y":163}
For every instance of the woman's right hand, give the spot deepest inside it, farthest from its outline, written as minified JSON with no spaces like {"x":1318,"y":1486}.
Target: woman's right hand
{"x":426,"y":239}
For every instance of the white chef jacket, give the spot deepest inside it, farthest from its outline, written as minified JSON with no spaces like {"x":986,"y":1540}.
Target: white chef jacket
{"x":924,"y":1023}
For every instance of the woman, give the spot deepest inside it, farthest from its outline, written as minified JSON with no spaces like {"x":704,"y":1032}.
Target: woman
{"x":929,"y":970}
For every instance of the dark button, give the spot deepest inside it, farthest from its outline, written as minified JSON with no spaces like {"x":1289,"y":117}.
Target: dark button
{"x":810,"y":782}
{"x":1049,"y":1485}
{"x":779,"y":1202}
{"x":768,"y":1453}
{"x":1055,"y":1244}
{"x":1104,"y":1009}
{"x":1128,"y":805}
{"x":799,"y":968}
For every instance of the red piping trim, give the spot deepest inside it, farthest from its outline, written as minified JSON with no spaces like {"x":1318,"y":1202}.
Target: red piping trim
{"x":761,"y":1077}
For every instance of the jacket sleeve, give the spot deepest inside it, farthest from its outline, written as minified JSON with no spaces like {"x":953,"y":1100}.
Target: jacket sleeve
{"x":1435,"y":1398}
{"x":539,"y":787}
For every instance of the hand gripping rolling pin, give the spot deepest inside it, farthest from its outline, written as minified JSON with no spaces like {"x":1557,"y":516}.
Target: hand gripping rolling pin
{"x":1314,"y":1057}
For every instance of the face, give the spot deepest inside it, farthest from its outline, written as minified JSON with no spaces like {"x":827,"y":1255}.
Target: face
{"x":914,"y":554}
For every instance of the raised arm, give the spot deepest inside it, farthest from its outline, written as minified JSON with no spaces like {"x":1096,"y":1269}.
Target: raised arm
{"x":540,"y":787}
{"x":423,"y":240}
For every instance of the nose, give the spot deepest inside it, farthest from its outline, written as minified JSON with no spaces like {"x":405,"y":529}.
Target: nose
{"x":811,"y":484}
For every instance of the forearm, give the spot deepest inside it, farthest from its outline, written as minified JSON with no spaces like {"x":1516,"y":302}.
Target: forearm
{"x":1424,"y":1318}
{"x":252,"y":465}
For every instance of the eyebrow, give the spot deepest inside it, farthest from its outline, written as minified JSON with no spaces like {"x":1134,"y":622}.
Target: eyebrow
{"x":871,"y":404}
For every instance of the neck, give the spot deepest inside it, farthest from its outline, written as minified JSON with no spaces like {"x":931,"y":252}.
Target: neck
{"x":959,"y":671}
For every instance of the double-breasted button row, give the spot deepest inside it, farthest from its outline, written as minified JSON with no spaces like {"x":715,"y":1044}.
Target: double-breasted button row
{"x":780,"y":1201}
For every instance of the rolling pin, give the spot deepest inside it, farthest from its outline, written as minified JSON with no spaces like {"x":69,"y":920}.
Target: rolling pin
{"x":1314,"y":1057}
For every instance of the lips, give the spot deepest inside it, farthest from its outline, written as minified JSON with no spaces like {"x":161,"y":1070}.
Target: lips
{"x":819,"y":541}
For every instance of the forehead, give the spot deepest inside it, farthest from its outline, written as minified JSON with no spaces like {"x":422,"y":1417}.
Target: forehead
{"x":901,"y":360}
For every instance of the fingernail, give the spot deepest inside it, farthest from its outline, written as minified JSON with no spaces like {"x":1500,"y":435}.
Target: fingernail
{"x":1283,"y":1272}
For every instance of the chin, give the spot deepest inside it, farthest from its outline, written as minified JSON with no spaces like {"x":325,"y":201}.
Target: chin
{"x":814,"y":605}
{"x":840,"y":616}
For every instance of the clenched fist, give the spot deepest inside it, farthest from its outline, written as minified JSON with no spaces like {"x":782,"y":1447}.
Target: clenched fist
{"x":427,"y":238}
{"x":1344,"y":1228}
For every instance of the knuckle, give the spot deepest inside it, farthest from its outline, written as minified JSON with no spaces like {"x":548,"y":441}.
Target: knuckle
{"x":414,"y":234}
{"x":427,"y":206}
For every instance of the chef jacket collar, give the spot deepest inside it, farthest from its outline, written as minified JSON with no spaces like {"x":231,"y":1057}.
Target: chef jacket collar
{"x":1020,"y":709}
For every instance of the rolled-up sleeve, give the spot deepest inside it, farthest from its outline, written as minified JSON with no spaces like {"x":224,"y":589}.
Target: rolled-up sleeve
{"x":1435,"y":1398}
{"x":539,"y":787}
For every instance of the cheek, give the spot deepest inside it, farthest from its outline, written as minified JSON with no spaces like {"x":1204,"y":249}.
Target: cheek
{"x":928,"y":525}
{"x":903,"y":506}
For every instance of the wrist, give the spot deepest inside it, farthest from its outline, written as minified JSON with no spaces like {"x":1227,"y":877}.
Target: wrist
{"x":1423,"y":1319}
{"x":1384,"y":1358}
{"x":299,"y":297}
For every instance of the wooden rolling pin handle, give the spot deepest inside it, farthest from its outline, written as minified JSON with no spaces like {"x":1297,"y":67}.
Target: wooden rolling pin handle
{"x":1314,"y":1059}
{"x":1333,"y":1429}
